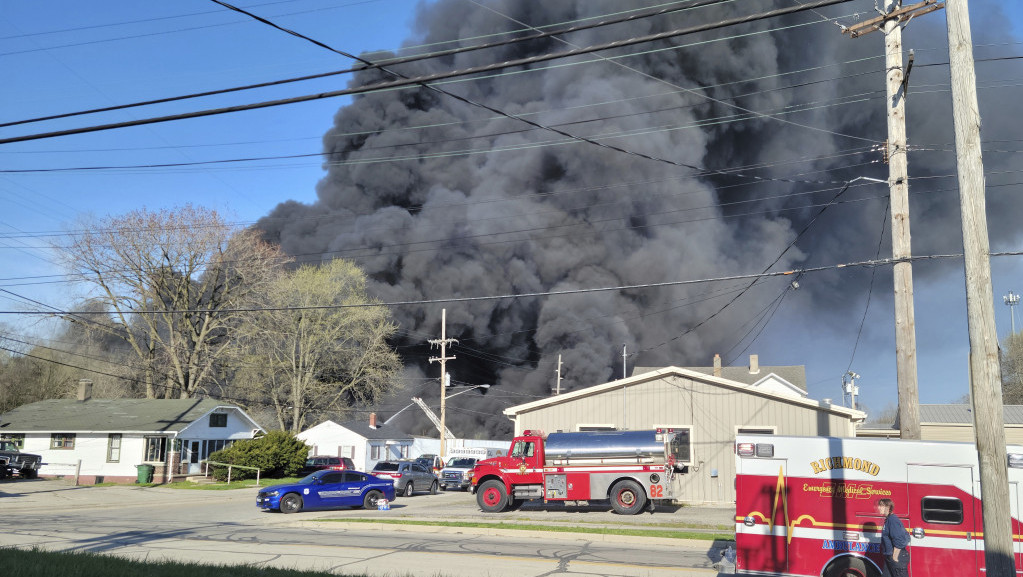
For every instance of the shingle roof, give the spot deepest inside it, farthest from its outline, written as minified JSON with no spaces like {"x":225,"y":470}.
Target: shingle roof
{"x":137,"y":415}
{"x":381,"y":433}
{"x":795,"y":374}
{"x":963,"y":414}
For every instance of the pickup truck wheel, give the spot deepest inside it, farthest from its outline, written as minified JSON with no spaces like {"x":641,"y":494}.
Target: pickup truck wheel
{"x":492,"y":497}
{"x":29,"y":473}
{"x":291,"y":503}
{"x":850,"y":567}
{"x":627,"y":497}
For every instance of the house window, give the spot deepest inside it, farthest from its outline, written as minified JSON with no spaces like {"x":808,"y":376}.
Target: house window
{"x":114,"y":447}
{"x":218,"y":420}
{"x":374,"y":452}
{"x":404,"y":451}
{"x":16,"y":438}
{"x":755,"y":431}
{"x":62,"y":441}
{"x":156,"y":449}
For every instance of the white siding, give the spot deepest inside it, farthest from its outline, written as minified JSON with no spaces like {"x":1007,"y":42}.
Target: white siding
{"x":91,"y":449}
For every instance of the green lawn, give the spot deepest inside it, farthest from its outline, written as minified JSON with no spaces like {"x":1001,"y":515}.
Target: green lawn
{"x":35,"y":563}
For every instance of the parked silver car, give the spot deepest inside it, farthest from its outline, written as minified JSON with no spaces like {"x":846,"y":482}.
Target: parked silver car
{"x":408,"y":477}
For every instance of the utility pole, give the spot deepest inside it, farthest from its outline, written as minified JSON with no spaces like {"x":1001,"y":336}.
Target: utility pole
{"x":898,"y":182}
{"x":1011,"y":300}
{"x":985,"y":371}
{"x":443,"y":358}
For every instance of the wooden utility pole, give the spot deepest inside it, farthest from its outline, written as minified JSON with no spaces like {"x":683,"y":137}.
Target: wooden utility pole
{"x":985,"y":371}
{"x":898,"y":183}
{"x":443,"y":358}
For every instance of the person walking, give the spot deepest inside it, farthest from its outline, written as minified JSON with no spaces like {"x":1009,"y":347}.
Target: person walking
{"x":894,"y":541}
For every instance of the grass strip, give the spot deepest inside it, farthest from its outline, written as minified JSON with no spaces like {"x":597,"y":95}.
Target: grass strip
{"x":38,"y":563}
{"x":663,"y":533}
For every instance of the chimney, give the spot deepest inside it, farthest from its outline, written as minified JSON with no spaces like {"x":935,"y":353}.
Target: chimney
{"x":717,"y":365}
{"x":754,"y":364}
{"x":84,"y":390}
{"x":372,"y":420}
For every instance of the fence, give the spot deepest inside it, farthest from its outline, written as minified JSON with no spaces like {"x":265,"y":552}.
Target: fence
{"x":206,"y":469}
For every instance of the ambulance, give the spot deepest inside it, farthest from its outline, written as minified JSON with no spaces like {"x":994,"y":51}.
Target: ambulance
{"x":805,"y":505}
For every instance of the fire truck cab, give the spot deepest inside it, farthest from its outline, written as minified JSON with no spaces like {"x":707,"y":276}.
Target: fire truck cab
{"x":805,"y":505}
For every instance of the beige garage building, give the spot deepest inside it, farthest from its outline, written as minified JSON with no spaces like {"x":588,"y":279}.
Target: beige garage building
{"x":714,"y":408}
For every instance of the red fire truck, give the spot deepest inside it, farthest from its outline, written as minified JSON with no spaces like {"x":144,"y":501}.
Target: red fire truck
{"x":805,"y":505}
{"x":632,"y":469}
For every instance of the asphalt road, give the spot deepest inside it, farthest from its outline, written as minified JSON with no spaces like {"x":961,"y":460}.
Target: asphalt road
{"x":225,"y":527}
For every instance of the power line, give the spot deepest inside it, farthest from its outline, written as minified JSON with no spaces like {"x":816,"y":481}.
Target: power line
{"x":753,"y":276}
{"x":422,"y":80}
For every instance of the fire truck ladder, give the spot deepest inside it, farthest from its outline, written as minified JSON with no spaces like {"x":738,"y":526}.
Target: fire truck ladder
{"x":433,"y":417}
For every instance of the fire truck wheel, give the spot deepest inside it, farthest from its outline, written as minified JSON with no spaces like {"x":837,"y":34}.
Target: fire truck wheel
{"x":849,"y":566}
{"x":492,"y":497}
{"x":627,"y":498}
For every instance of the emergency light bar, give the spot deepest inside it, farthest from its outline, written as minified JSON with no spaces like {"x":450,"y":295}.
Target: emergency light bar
{"x":756,"y":449}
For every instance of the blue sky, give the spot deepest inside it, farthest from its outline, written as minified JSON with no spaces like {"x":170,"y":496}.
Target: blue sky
{"x":65,"y":56}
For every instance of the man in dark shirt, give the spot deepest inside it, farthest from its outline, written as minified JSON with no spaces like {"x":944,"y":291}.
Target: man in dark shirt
{"x":894,"y":541}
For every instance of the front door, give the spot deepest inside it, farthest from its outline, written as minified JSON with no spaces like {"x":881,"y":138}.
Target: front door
{"x":194,"y":467}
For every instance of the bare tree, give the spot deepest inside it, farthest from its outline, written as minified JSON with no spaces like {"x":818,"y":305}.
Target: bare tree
{"x":1012,"y":369}
{"x":311,"y":350}
{"x":173,"y":282}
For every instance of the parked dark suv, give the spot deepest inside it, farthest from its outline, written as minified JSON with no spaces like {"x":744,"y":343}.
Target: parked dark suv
{"x":408,"y":477}
{"x":314,"y":464}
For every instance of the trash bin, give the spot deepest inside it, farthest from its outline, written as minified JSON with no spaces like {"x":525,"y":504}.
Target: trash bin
{"x":145,"y":474}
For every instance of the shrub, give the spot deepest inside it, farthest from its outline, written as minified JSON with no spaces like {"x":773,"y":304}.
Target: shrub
{"x":276,"y":454}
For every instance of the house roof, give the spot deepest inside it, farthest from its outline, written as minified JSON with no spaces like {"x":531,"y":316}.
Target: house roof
{"x":112,"y":415}
{"x":960,"y":414}
{"x":853,"y":414}
{"x":380,"y":433}
{"x":795,"y":374}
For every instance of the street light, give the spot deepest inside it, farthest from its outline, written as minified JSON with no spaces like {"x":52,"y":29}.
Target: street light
{"x":1011,"y":300}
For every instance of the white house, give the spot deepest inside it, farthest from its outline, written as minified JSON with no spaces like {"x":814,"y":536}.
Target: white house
{"x":105,"y":440}
{"x":365,"y":443}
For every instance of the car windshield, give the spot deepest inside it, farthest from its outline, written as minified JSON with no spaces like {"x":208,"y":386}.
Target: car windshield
{"x":386,"y":467}
{"x":462,"y":462}
{"x":312,"y":477}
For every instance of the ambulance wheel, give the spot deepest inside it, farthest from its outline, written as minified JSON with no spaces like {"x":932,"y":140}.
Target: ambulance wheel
{"x":371,"y":498}
{"x":849,"y":566}
{"x":627,"y":498}
{"x":291,"y":503}
{"x":492,"y":497}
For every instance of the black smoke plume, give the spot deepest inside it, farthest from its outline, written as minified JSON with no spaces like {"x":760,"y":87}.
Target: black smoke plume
{"x":437,"y":198}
